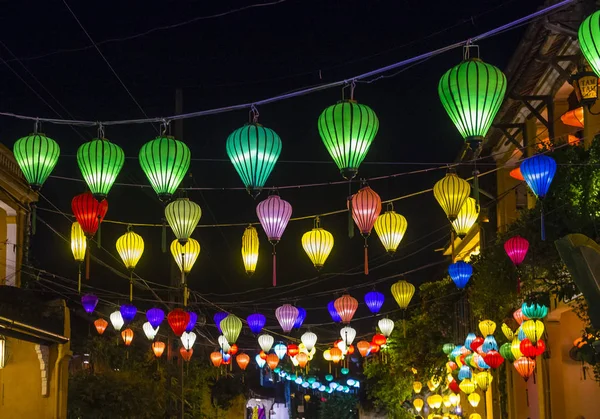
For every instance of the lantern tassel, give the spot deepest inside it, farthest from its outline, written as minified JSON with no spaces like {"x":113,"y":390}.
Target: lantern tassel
{"x":543,"y":222}
{"x":99,"y":236}
{"x":163,"y":242}
{"x":131,"y":287}
{"x":79,"y":280}
{"x":87,"y":263}
{"x":366,"y":258}
{"x":274,"y":267}
{"x":33,"y":218}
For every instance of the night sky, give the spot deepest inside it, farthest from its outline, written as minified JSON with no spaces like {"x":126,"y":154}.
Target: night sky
{"x":243,"y":57}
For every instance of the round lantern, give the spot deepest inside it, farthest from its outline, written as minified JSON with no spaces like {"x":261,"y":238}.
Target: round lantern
{"x":88,"y":212}
{"x":259,"y":361}
{"x":451,"y":193}
{"x":101,"y":325}
{"x":286,"y":316}
{"x":525,"y":367}
{"x":506,"y":352}
{"x":460,"y":272}
{"x":374,"y":301}
{"x":336,"y":354}
{"x":130,"y":247}
{"x":100,"y":162}
{"x":242,"y":360}
{"x":483,"y":380}
{"x":231,"y":327}
{"x":300,"y":319}
{"x":188,"y":339}
{"x":292,"y":350}
{"x":256,"y":322}
{"x":374,"y":348}
{"x":471,"y":94}
{"x":178,"y":320}
{"x":155,"y":316}
{"x":217,"y":319}
{"x":379,"y":339}
{"x":165,"y":161}
{"x":192,"y":323}
{"x":348,"y":334}
{"x":417,"y":386}
{"x":216,"y":358}
{"x":418,"y":403}
{"x":317,"y":244}
{"x":149,"y":331}
{"x":250,"y":249}
{"x":589,"y":39}
{"x":302,"y":359}
{"x":347,"y":130}
{"x":158,"y":348}
{"x":530,"y":350}
{"x":333,"y":312}
{"x":128,"y":312}
{"x":534,"y":310}
{"x":36,"y":156}
{"x":346,"y":306}
{"x":272,"y":361}
{"x":516,"y":248}
{"x":390,"y":228}
{"x":89,"y":303}
{"x":233,"y":349}
{"x":366,"y":207}
{"x":403,"y":292}
{"x":265,"y":342}
{"x":127,"y":336}
{"x":274,"y":214}
{"x":183,"y":216}
{"x":467,"y":386}
{"x":533,"y":329}
{"x":466,"y":217}
{"x":253,"y":151}
{"x":448,"y":348}
{"x":117,"y":320}
{"x":474,"y":399}
{"x":185,"y":255}
{"x":493,"y":359}
{"x":309,"y":339}
{"x":386,"y":326}
{"x":487,"y":327}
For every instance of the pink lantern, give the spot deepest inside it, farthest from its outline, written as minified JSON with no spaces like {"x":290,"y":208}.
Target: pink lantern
{"x":286,"y":316}
{"x":366,"y":206}
{"x":346,"y":306}
{"x":516,"y":249}
{"x":519,"y":316}
{"x":274,"y":214}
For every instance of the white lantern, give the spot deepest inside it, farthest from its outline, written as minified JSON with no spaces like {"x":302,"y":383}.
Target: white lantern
{"x":342,"y":347}
{"x":347,"y":334}
{"x":259,"y":361}
{"x":223,"y":344}
{"x":188,"y":339}
{"x":309,"y":339}
{"x":265,"y":342}
{"x":117,"y":320}
{"x":386,"y":326}
{"x":294,"y":361}
{"x":149,"y":331}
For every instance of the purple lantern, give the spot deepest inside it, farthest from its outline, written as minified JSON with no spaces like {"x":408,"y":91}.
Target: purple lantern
{"x":217,"y":318}
{"x":89,"y":303}
{"x":274,"y":214}
{"x":192,"y":322}
{"x":155,"y":317}
{"x":333,"y":312}
{"x":300,"y":318}
{"x":286,"y":316}
{"x":374,"y":300}
{"x":128,"y":312}
{"x":256,"y":322}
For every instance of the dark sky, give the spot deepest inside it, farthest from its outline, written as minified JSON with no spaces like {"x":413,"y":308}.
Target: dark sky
{"x":241,"y":57}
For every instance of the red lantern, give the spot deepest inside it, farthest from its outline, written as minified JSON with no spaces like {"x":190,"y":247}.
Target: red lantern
{"x":233,"y":349}
{"x":525,"y":367}
{"x":272,"y":361}
{"x":379,"y":339}
{"x":477,"y":342}
{"x":242,"y":360}
{"x":516,"y":249}
{"x":493,"y":359}
{"x":350,"y":350}
{"x":452,"y":365}
{"x":453,"y":385}
{"x":216,"y":358}
{"x":178,"y":320}
{"x":530,"y":350}
{"x":366,"y":206}
{"x":302,"y":359}
{"x":88,"y":212}
{"x":101,"y":325}
{"x":346,"y":306}
{"x":292,"y":350}
{"x":374,"y":348}
{"x":185,"y":354}
{"x":158,"y":348}
{"x":262,"y":355}
{"x":363,"y":347}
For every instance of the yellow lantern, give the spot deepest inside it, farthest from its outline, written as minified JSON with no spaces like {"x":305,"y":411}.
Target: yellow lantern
{"x":515,"y":348}
{"x":446,"y":400}
{"x":250,"y":249}
{"x":418,"y":404}
{"x":403,"y":293}
{"x":317,"y":244}
{"x":483,"y":380}
{"x":431,"y":386}
{"x":508,"y":333}
{"x":130,"y":247}
{"x":451,"y":193}
{"x":327,"y":355}
{"x":533,"y":329}
{"x":78,"y":246}
{"x":474,"y":399}
{"x":417,"y":386}
{"x":307,"y":398}
{"x":390,"y":228}
{"x":487,"y":327}
{"x":474,"y":416}
{"x":467,"y":216}
{"x":436,"y":380}
{"x":467,"y":386}
{"x":185,"y":256}
{"x":435,"y":401}
{"x":454,"y":399}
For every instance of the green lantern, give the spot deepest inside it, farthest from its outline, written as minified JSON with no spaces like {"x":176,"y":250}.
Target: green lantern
{"x":253,"y":151}
{"x":472,"y":93}
{"x":347,"y":130}
{"x":165,"y":162}
{"x":589,"y":40}
{"x":231,"y":327}
{"x":183,"y":216}
{"x":100,"y":162}
{"x":36,"y":155}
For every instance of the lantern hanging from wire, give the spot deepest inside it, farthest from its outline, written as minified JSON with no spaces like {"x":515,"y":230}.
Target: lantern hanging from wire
{"x":127,"y":336}
{"x":533,"y":329}
{"x":36,"y":156}
{"x":286,"y":316}
{"x":233,"y":349}
{"x":226,"y":358}
{"x":231,"y":327}
{"x":386,"y":326}
{"x":259,"y":361}
{"x":117,"y":320}
{"x":253,"y":150}
{"x":379,"y":339}
{"x":150,"y":331}
{"x":539,"y":171}
{"x":336,"y":354}
{"x":363,"y":348}
{"x":348,"y":334}
{"x":309,"y":339}
{"x":280,"y":350}
{"x":130,"y":247}
{"x":183,"y":216}
{"x":242,"y":360}
{"x":155,"y":316}
{"x":158,"y":348}
{"x":185,"y":255}
{"x":374,"y":301}
{"x":178,"y":320}
{"x":390,"y":228}
{"x":476,"y":343}
{"x":165,"y":161}
{"x":346,"y":306}
{"x":589,"y":40}
{"x":89,"y":302}
{"x":217,"y":319}
{"x":460,"y":272}
{"x":516,"y":248}
{"x":188,"y":339}
{"x":100,"y":162}
{"x":366,"y":207}
{"x":89,"y":213}
{"x":317,"y":244}
{"x":300,"y":319}
{"x":302,"y":359}
{"x":525,"y":367}
{"x":192,"y":323}
{"x":223,"y":344}
{"x":272,"y":361}
{"x":256,"y":322}
{"x":347,"y":130}
{"x":292,"y":350}
{"x":274,"y":214}
{"x":403,"y":292}
{"x":534,"y":310}
{"x":333,"y":312}
{"x":250,"y":247}
{"x":100,"y":325}
{"x":451,"y":193}
{"x":128,"y":312}
{"x":78,"y":247}
{"x":466,"y":217}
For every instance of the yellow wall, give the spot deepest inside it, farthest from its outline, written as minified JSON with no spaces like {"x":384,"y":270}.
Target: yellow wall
{"x":3,"y":245}
{"x":236,"y":411}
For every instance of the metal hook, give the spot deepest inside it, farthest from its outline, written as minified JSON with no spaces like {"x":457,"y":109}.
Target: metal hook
{"x":165,"y":125}
{"x":352,"y":87}
{"x":100,"y":130}
{"x":36,"y":125}
{"x":253,"y":114}
{"x":317,"y":223}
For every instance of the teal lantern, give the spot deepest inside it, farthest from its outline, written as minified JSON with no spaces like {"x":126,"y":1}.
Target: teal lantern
{"x":471,"y":94}
{"x":347,"y":130}
{"x":534,"y":310}
{"x":36,"y":155}
{"x":253,"y":151}
{"x":589,"y":40}
{"x":100,"y":162}
{"x":165,"y":161}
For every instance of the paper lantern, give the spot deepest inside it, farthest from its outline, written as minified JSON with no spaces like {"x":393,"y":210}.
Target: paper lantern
{"x":574,"y":118}
{"x":467,"y":386}
{"x":386,"y":326}
{"x":346,"y":306}
{"x":217,"y":319}
{"x":226,"y":359}
{"x":530,"y":350}
{"x":309,"y":339}
{"x":292,"y":350}
{"x":250,"y":246}
{"x":476,"y":343}
{"x":534,"y":310}
{"x":483,"y":380}
{"x":390,"y":228}
{"x":158,"y":348}
{"x":165,"y":161}
{"x":366,"y":207}
{"x":231,"y":327}
{"x":149,"y":331}
{"x":155,"y":316}
{"x":466,"y":217}
{"x":127,"y":336}
{"x":272,"y":361}
{"x":347,"y":130}
{"x":363,"y":348}
{"x":417,"y":386}
{"x":223,"y":344}
{"x":539,"y":171}
{"x":300,"y":319}
{"x":589,"y":38}
{"x":379,"y":339}
{"x":307,"y":398}
{"x":507,"y":331}
{"x":474,"y":399}
{"x":374,"y":301}
{"x":178,"y":320}
{"x":453,"y":385}
{"x":515,"y":348}
{"x":489,"y":344}
{"x":259,"y":361}
{"x":130,"y":247}
{"x":101,"y":325}
{"x":216,"y":358}
{"x":435,"y":401}
{"x":327,"y":355}
{"x":403,"y":292}
{"x":374,"y":348}
{"x":533,"y":329}
{"x":336,"y":354}
{"x":286,"y":316}
{"x":36,"y":156}
{"x":487,"y":327}
{"x":89,"y":303}
{"x":233,"y":349}
{"x":448,"y":347}
{"x":253,"y":151}
{"x":185,"y":255}
{"x":192,"y":323}
{"x":516,"y":174}
{"x":460,"y":272}
{"x":78,"y":242}
{"x":265,"y":342}
{"x":100,"y":162}
{"x":333,"y":312}
{"x":519,"y":316}
{"x":128,"y":312}
{"x":471,"y":94}
{"x":465,"y":372}
{"x":117,"y":320}
{"x":506,"y":352}
{"x":418,"y":403}
{"x":348,"y":334}
{"x":451,"y":193}
{"x":256,"y":322}
{"x":274,"y":214}
{"x":493,"y":359}
{"x":317,"y":244}
{"x":183,"y":216}
{"x":188,"y":339}
{"x":525,"y":367}
{"x":516,"y":248}
{"x":88,"y":212}
{"x":242,"y":360}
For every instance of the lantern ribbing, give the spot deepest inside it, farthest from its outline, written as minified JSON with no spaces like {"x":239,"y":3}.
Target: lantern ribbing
{"x":165,"y":161}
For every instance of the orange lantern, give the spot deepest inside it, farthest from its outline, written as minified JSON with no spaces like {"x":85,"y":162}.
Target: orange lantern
{"x":216,"y":358}
{"x":350,"y":350}
{"x":158,"y":348}
{"x":101,"y":326}
{"x":302,"y":359}
{"x":272,"y":361}
{"x":185,"y":354}
{"x":374,"y":348}
{"x":519,"y":316}
{"x":262,"y":355}
{"x":573,"y":118}
{"x":516,"y":174}
{"x":379,"y":339}
{"x":242,"y":360}
{"x":292,"y":350}
{"x":127,"y":336}
{"x":233,"y":349}
{"x":525,"y":367}
{"x":346,"y":306}
{"x":363,"y":347}
{"x":545,"y":143}
{"x":336,"y":354}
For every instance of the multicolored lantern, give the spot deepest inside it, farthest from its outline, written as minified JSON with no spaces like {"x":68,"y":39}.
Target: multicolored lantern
{"x":127,"y":336}
{"x":516,"y":248}
{"x":300,"y":319}
{"x":101,"y":325}
{"x":374,"y":301}
{"x":466,"y":217}
{"x":333,"y":312}
{"x":36,"y":156}
{"x":346,"y":306}
{"x":155,"y":316}
{"x":158,"y":348}
{"x":183,"y":216}
{"x":286,"y":316}
{"x":451,"y":193}
{"x":250,"y":246}
{"x":100,"y":162}
{"x":89,"y":303}
{"x":165,"y":161}
{"x":460,"y":272}
{"x":178,"y":320}
{"x":274,"y":214}
{"x":231,"y":327}
{"x":539,"y":171}
{"x":366,"y":207}
{"x":256,"y":322}
{"x":390,"y":228}
{"x":317,"y":244}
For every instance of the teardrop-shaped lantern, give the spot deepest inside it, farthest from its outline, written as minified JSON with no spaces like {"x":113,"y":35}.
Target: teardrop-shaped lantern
{"x":178,"y":320}
{"x":346,"y":306}
{"x":589,"y":40}
{"x":127,"y":336}
{"x":366,"y":207}
{"x":256,"y":322}
{"x":128,"y":312}
{"x":89,"y":302}
{"x":183,"y":216}
{"x":185,"y":256}
{"x":525,"y":367}
{"x":300,"y":319}
{"x":217,"y":319}
{"x":216,"y":358}
{"x":272,"y":361}
{"x":347,"y":130}
{"x":471,"y":94}
{"x":403,"y":292}
{"x":186,"y":354}
{"x":333,"y":312}
{"x":36,"y":155}
{"x":516,"y":248}
{"x":451,"y":192}
{"x":466,"y":217}
{"x":253,"y":151}
{"x":250,"y":246}
{"x":390,"y":228}
{"x":242,"y":360}
{"x":165,"y":161}
{"x":78,"y":242}
{"x":150,"y":331}
{"x":231,"y":327}
{"x":155,"y":316}
{"x":100,"y":162}
{"x":539,"y":171}
{"x":130,"y":247}
{"x":533,"y":329}
{"x":460,"y":272}
{"x":348,"y":334}
{"x":374,"y":301}
{"x":274,"y":214}
{"x":116,"y":320}
{"x":88,"y":212}
{"x":317,"y":244}
{"x":158,"y":348}
{"x":265,"y":342}
{"x":188,"y":339}
{"x":100,"y":325}
{"x":386,"y":326}
{"x":309,"y":339}
{"x":286,"y":316}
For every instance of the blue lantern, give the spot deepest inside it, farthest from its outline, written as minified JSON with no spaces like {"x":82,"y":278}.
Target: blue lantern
{"x":256,"y":322}
{"x":489,"y":343}
{"x":315,"y":385}
{"x":218,"y":318}
{"x":280,"y":350}
{"x":305,"y":385}
{"x":521,"y":333}
{"x":469,"y":340}
{"x":89,"y":303}
{"x":454,"y":354}
{"x":192,"y":323}
{"x":460,"y":272}
{"x":534,"y":310}
{"x":155,"y":317}
{"x":374,"y":301}
{"x":538,"y":171}
{"x":300,"y":318}
{"x":128,"y":312}
{"x":259,"y":361}
{"x":333,"y":312}
{"x":481,"y":363}
{"x":465,"y":372}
